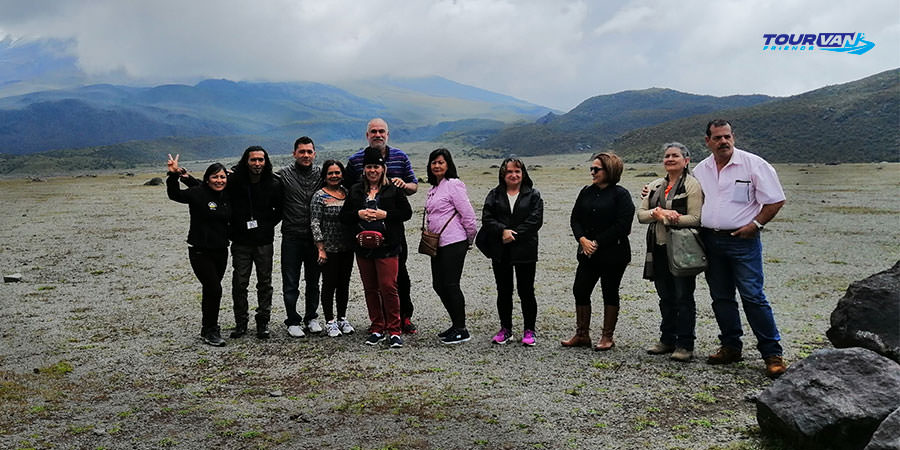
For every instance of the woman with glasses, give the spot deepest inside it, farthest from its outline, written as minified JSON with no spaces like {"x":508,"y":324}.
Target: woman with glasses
{"x":601,"y":221}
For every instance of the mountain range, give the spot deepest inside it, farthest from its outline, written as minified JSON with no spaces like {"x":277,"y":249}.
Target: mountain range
{"x":107,"y":126}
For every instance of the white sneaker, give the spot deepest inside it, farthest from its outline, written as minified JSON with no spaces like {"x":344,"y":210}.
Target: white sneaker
{"x":345,"y":326}
{"x":313,"y":326}
{"x":332,"y":328}
{"x":296,"y":331}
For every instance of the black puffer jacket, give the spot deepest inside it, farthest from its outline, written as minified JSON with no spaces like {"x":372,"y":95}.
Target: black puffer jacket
{"x":526,"y":219}
{"x":210,"y":213}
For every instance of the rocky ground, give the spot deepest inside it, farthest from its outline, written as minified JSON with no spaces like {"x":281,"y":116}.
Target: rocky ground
{"x":100,"y":345}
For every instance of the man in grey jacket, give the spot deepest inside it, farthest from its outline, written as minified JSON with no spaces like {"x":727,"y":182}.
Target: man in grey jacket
{"x":299,"y":182}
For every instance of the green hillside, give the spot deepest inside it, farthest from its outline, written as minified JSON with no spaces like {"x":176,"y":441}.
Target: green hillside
{"x":852,"y":122}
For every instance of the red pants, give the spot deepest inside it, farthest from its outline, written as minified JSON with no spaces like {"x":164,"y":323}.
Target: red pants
{"x":379,"y":278}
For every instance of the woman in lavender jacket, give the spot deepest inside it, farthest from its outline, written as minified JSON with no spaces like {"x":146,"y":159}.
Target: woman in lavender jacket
{"x":448,"y":203}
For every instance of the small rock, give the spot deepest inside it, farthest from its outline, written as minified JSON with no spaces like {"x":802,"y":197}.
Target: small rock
{"x":155,"y":181}
{"x":99,"y":431}
{"x":647,"y":175}
{"x":275,"y":394}
{"x":14,"y":278}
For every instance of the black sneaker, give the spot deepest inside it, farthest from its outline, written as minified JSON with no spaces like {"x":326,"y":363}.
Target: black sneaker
{"x":212,"y":337}
{"x":396,"y":341}
{"x":446,"y":333}
{"x":262,"y":330}
{"x":458,"y":336}
{"x":374,"y":339}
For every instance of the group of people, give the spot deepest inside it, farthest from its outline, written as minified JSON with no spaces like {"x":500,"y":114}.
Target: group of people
{"x":333,"y":212}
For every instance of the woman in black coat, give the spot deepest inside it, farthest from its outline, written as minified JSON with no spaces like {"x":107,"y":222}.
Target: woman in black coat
{"x":601,"y":221}
{"x":512,"y":215}
{"x":374,"y":205}
{"x":207,"y":238}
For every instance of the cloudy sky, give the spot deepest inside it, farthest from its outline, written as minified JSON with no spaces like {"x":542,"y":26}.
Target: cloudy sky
{"x":554,"y":53}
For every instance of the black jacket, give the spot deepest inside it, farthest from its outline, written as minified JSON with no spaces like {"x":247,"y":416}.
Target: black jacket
{"x":390,"y":199}
{"x":210,"y":213}
{"x":526,"y":219}
{"x":260,"y":201}
{"x":605,"y":216}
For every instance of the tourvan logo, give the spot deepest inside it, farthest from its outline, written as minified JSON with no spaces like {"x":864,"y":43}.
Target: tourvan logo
{"x":833,"y":42}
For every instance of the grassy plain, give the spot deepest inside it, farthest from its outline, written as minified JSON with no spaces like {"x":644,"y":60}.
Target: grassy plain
{"x":100,"y":346}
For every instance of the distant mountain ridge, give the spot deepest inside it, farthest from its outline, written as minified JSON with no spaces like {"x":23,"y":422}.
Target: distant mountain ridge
{"x":857,"y":121}
{"x":597,"y":121}
{"x":109,"y":114}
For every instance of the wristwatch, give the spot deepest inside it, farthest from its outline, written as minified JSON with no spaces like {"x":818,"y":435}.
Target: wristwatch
{"x":758,"y":225}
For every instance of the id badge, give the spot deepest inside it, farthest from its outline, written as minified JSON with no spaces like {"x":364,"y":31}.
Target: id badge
{"x":251,"y":224}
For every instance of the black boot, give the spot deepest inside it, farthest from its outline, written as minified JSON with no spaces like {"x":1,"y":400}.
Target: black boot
{"x":262,"y":330}
{"x":212,"y":337}
{"x":239,"y":330}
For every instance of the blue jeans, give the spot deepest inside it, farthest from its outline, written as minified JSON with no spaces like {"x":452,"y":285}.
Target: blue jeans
{"x":297,"y":251}
{"x":737,"y":263}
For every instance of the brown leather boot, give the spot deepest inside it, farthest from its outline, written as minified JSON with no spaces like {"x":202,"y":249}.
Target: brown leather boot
{"x":582,"y":336}
{"x":610,"y":317}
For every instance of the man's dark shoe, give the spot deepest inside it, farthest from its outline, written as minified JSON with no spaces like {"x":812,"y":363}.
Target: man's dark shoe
{"x":458,"y":336}
{"x":262,"y":330}
{"x":408,"y":327}
{"x":212,"y":337}
{"x":239,"y":331}
{"x":775,"y":366}
{"x":725,"y":355}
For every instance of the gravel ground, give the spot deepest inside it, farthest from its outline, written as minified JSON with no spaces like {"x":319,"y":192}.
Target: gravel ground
{"x":100,"y":345}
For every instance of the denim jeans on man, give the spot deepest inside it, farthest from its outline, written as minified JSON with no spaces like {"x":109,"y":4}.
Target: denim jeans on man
{"x":243,"y":258}
{"x":298,"y":251}
{"x":737,"y":263}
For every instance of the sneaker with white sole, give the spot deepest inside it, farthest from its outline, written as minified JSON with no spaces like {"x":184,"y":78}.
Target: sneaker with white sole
{"x":374,"y":339}
{"x":528,"y":338}
{"x":345,"y":326}
{"x":396,"y":341}
{"x":296,"y":331}
{"x":458,"y":336}
{"x":502,"y":336}
{"x":313,"y":326}
{"x":332,"y":329}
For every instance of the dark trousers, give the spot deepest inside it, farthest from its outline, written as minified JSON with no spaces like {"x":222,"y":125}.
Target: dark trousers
{"x":296,"y":252}
{"x":592,"y":269}
{"x":379,"y":279}
{"x":243,"y":258}
{"x":209,"y":266}
{"x":446,"y":271}
{"x":676,"y":302}
{"x":336,"y":283}
{"x":503,"y":275}
{"x":404,"y":286}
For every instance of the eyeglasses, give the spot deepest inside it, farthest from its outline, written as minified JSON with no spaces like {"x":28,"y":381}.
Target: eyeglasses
{"x":597,"y":169}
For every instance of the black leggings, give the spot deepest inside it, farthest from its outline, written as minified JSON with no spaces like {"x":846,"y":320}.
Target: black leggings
{"x":586,"y":276}
{"x":209,"y":266}
{"x":503,"y":275}
{"x":446,"y":271}
{"x":336,"y":283}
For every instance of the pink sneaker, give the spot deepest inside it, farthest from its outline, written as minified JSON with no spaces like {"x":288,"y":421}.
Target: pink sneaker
{"x":528,"y":338}
{"x":502,"y":336}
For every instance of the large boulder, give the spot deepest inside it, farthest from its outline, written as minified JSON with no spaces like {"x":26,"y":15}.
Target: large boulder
{"x":834,"y":399}
{"x":887,"y":436}
{"x":869,"y":315}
